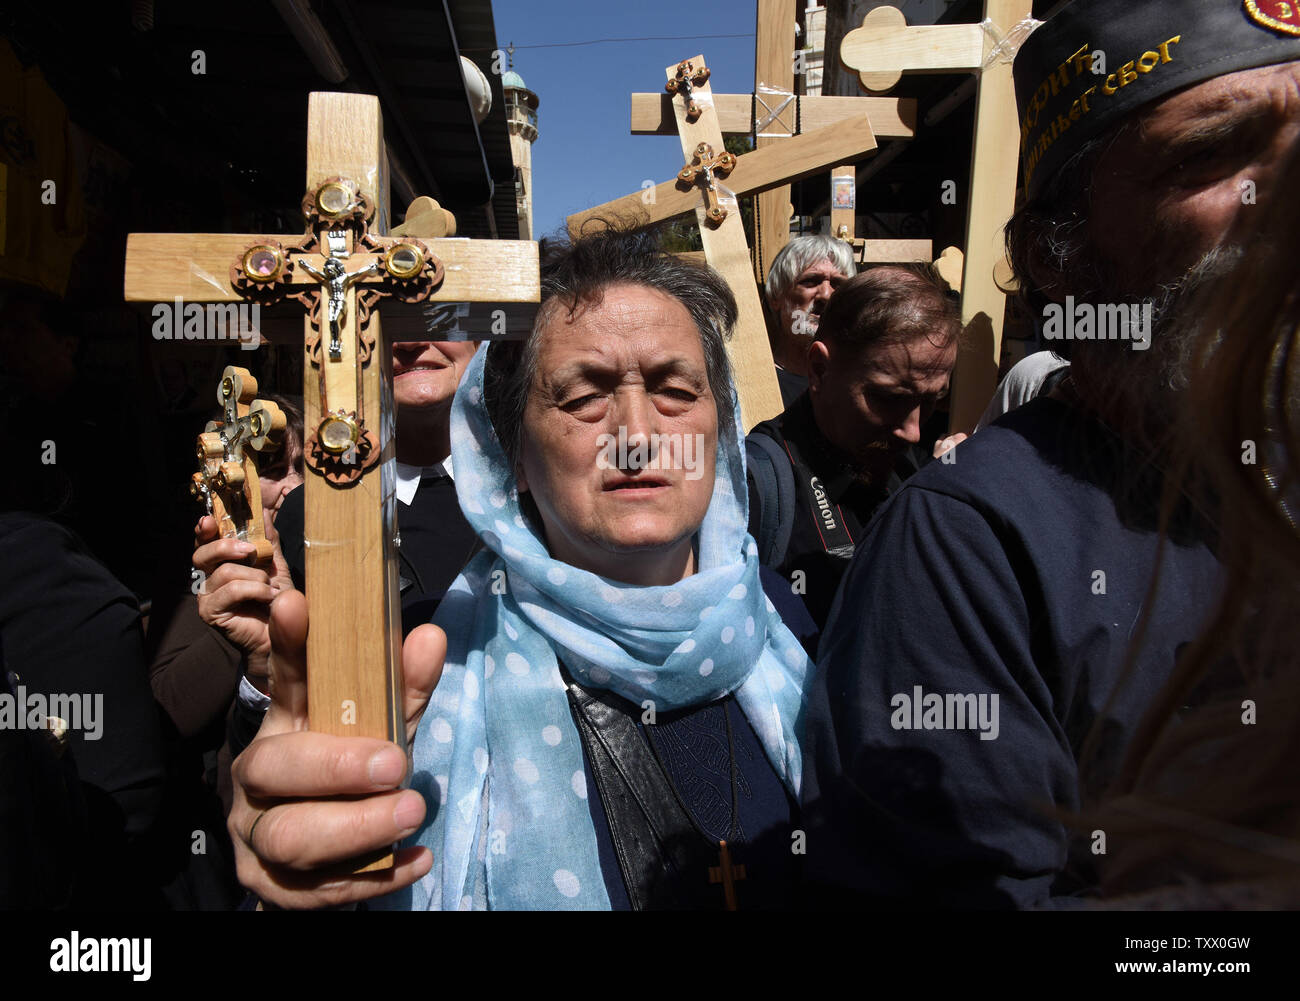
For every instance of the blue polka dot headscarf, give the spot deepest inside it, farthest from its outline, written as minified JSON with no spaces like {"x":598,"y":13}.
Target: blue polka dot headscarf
{"x":497,"y":754}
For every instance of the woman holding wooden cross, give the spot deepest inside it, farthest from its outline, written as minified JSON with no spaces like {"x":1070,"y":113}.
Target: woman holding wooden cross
{"x":606,"y":717}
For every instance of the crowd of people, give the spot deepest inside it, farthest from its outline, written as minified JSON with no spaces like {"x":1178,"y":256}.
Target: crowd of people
{"x":1052,"y":664}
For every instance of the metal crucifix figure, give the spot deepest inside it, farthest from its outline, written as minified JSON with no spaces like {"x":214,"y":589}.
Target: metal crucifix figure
{"x":337,"y":282}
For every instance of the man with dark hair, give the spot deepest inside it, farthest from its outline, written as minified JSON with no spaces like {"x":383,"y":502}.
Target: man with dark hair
{"x":884,"y":350}
{"x":1010,"y":614}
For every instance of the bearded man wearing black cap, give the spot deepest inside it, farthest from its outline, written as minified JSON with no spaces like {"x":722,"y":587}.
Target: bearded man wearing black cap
{"x":1009,"y":615}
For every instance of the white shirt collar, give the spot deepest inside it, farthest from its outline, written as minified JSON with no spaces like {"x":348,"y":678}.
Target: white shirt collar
{"x":408,"y":478}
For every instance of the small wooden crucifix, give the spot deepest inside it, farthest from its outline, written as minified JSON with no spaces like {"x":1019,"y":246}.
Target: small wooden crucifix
{"x":227,"y":483}
{"x":726,"y":874}
{"x":339,"y":269}
{"x":688,"y":77}
{"x":886,"y":47}
{"x":710,"y":185}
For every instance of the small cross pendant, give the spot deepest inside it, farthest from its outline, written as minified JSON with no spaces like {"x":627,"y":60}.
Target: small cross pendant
{"x":726,"y":874}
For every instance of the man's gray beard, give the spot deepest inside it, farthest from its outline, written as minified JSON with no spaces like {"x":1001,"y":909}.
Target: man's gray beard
{"x":1179,"y":310}
{"x":1151,"y":382}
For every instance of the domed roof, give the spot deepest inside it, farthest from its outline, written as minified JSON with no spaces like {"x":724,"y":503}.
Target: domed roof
{"x":512,"y":79}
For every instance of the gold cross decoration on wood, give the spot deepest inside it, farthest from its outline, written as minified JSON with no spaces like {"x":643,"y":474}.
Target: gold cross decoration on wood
{"x":723,"y":234}
{"x":704,"y":169}
{"x":684,"y":83}
{"x":726,"y":874}
{"x":227,"y":481}
{"x":343,"y":445}
{"x":882,"y":50}
{"x":340,"y":269}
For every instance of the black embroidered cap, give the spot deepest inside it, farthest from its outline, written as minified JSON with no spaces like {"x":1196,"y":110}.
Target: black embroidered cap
{"x":1095,"y":61}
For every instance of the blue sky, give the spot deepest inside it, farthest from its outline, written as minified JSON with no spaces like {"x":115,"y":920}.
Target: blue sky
{"x":584,"y":154}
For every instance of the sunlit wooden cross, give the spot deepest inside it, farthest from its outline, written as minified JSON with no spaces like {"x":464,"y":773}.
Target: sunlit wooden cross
{"x":774,"y":27}
{"x":340,"y":269}
{"x":772,"y":115}
{"x":722,"y":233}
{"x":726,"y":874}
{"x":227,"y":482}
{"x":882,"y":50}
{"x":891,"y":117}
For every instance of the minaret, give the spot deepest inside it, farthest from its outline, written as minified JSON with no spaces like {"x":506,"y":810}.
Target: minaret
{"x":521,"y":118}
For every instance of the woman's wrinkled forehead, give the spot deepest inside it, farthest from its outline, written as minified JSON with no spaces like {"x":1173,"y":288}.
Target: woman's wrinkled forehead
{"x":628,"y":326}
{"x":610,"y":304}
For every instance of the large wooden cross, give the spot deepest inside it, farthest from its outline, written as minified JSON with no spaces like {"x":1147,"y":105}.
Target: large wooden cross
{"x":711,"y":190}
{"x":765,"y":110}
{"x":882,"y":50}
{"x":340,"y":269}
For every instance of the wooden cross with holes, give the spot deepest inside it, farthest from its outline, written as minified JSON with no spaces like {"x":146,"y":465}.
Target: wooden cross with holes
{"x":710,"y":184}
{"x":341,"y":269}
{"x":882,"y":50}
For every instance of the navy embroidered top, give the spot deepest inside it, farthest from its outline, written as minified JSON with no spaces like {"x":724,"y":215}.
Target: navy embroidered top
{"x":693,"y":746}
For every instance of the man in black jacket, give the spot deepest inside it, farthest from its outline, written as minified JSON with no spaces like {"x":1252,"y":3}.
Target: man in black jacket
{"x":998,"y":615}
{"x":881,"y":360}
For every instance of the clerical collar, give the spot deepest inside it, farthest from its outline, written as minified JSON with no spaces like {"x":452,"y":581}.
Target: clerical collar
{"x":408,"y":477}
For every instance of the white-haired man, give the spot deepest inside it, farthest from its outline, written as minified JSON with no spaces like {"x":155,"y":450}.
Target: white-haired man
{"x":799,"y":284}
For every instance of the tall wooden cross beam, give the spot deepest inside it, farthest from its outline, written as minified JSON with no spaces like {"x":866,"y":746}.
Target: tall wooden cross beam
{"x":773,"y":94}
{"x":709,"y":185}
{"x":341,"y":269}
{"x":882,"y":50}
{"x":891,"y":117}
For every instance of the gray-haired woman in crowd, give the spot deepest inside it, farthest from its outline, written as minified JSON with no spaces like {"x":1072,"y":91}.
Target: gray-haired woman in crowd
{"x":616,"y":721}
